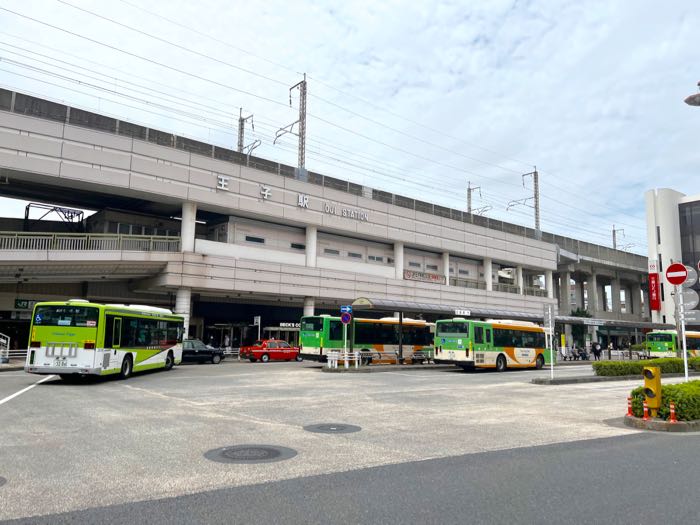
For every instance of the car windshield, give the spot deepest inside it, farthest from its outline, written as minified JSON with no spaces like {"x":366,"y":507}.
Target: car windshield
{"x":283,"y":344}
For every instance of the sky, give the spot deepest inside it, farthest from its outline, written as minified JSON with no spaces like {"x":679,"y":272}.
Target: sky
{"x":420,"y":98}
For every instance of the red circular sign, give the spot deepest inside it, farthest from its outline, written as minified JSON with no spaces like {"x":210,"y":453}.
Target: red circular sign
{"x":676,"y":274}
{"x":345,"y":318}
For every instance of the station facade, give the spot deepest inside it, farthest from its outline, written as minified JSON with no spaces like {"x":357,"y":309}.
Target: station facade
{"x":221,"y":237}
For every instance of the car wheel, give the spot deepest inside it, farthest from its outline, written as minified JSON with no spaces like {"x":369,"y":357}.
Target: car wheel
{"x":298,"y":358}
{"x":265,"y":358}
{"x":127,"y":367}
{"x":501,"y":363}
{"x":216,"y":359}
{"x":169,"y":361}
{"x":539,"y":362}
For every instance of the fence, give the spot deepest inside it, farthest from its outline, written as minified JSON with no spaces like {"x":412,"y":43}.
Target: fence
{"x":23,"y":241}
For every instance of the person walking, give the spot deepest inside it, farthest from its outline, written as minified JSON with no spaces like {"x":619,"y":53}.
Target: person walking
{"x":596,"y":351}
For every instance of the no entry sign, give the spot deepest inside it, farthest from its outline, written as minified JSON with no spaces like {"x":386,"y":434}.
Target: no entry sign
{"x":676,"y":274}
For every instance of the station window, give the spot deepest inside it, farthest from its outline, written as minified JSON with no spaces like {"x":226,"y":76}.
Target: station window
{"x":331,"y":251}
{"x":298,"y":246}
{"x":432,"y":267}
{"x":250,"y":238}
{"x":355,"y":255}
{"x":390,"y":260}
{"x":124,"y":229}
{"x":375,"y":258}
{"x":658,"y":235}
{"x":464,"y":272}
{"x":412,"y":264}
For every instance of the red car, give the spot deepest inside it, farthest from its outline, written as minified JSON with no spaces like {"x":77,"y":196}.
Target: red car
{"x":269,"y":350}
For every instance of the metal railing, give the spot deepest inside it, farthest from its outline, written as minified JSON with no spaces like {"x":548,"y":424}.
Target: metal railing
{"x":536,"y":292}
{"x":468,"y":283}
{"x":508,"y":288}
{"x":26,"y":241}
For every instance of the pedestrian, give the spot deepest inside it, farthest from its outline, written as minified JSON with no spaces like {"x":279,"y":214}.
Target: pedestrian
{"x":596,"y":351}
{"x":227,"y":340}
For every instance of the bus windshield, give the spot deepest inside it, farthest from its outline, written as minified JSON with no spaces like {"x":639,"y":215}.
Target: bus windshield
{"x":65,"y":315}
{"x":452,"y":328}
{"x":311,"y":324}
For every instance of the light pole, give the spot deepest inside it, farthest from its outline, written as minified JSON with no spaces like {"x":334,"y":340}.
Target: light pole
{"x":693,"y":100}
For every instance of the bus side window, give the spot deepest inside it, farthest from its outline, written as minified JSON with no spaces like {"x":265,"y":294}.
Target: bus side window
{"x":489,"y":339}
{"x":117,"y":333}
{"x":335,"y":331}
{"x":478,"y":334}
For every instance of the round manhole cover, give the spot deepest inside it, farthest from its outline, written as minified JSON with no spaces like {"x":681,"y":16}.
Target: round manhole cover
{"x":332,"y":428}
{"x":2,"y":481}
{"x":249,"y":454}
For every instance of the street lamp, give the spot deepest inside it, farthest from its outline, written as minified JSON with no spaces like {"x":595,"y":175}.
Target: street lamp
{"x":694,"y":100}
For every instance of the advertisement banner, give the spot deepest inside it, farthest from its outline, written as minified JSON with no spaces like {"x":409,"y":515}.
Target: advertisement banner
{"x":654,"y":292}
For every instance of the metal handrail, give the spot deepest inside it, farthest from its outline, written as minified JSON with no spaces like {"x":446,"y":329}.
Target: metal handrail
{"x":33,"y":241}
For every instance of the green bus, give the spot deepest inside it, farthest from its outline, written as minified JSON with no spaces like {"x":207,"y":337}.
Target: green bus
{"x":490,"y":344}
{"x":78,"y":338}
{"x":377,"y":339}
{"x":666,"y":343}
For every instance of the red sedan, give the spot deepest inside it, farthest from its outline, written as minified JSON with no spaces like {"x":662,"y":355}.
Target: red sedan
{"x":269,"y":350}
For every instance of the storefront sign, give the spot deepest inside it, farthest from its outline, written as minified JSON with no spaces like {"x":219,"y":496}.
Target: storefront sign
{"x":654,"y":292}
{"x":290,"y":325}
{"x":424,"y":277}
{"x":23,"y":304}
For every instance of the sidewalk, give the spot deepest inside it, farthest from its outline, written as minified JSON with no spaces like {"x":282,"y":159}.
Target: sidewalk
{"x":12,"y":366}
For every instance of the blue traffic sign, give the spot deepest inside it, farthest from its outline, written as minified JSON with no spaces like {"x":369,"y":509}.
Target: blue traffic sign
{"x":345,"y":318}
{"x":346,"y":309}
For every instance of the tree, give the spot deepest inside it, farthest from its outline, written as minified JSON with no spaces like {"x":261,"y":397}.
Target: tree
{"x":578,"y":331}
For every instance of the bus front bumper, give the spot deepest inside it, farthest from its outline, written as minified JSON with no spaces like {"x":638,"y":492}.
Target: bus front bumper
{"x":47,"y":370}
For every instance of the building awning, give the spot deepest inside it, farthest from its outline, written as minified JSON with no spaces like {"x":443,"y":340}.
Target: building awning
{"x":392,"y":305}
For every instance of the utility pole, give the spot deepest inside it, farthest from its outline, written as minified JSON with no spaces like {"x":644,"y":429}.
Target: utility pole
{"x":469,"y":195}
{"x":301,"y":122}
{"x":241,"y":129}
{"x":614,"y":232}
{"x":535,"y":198}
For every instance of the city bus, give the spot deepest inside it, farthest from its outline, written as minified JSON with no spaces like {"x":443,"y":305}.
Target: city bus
{"x":377,"y":339}
{"x":498,"y":344}
{"x":79,"y":338}
{"x":665,"y":343}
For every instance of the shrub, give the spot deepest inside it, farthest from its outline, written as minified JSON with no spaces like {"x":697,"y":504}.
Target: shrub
{"x":668,"y":365}
{"x":686,"y":397}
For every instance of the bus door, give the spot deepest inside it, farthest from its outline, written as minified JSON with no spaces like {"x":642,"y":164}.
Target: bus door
{"x":481,"y":337}
{"x":113,"y":340}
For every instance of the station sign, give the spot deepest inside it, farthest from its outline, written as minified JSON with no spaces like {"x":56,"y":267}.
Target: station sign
{"x":463,"y":313}
{"x":347,"y":309}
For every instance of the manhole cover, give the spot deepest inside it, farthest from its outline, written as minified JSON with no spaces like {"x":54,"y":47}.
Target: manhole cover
{"x":248,"y":454}
{"x":332,"y":428}
{"x":2,"y":481}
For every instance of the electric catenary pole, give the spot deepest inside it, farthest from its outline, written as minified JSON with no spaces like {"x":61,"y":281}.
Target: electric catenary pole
{"x":241,"y":129}
{"x":614,"y":235}
{"x":301,"y":122}
{"x":535,"y":198}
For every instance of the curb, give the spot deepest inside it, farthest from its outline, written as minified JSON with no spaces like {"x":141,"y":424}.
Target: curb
{"x":596,"y":379}
{"x":385,"y":368}
{"x":661,"y":425}
{"x":11,"y":368}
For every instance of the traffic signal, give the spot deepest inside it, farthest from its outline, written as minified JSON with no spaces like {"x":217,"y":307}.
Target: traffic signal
{"x":652,"y":388}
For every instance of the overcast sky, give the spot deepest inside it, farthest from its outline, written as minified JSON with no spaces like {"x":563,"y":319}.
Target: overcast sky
{"x":416,"y":98}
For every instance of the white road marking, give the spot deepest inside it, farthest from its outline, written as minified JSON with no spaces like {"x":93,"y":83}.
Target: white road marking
{"x":9,"y":398}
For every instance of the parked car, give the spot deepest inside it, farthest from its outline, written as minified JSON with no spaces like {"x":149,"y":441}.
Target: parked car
{"x":196,"y":350}
{"x":270,"y":350}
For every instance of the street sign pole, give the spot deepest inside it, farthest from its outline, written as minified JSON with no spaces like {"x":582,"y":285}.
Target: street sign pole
{"x":679,"y":298}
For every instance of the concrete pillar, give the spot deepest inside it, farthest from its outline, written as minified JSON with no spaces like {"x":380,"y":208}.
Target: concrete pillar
{"x":398,"y":259}
{"x":615,"y":291}
{"x":549,"y":283}
{"x":311,"y":236}
{"x":602,"y":298}
{"x":635,"y":300}
{"x":187,"y":228}
{"x":519,"y":279}
{"x":592,"y":290}
{"x":446,"y":267}
{"x":488,"y":273}
{"x":578,"y":293}
{"x":183,"y":306}
{"x":231,"y":231}
{"x":645,"y":310}
{"x":309,"y":305}
{"x":564,"y":286}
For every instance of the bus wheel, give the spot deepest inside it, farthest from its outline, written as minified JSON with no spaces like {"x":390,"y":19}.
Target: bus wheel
{"x":264,"y":358}
{"x":366,"y":358}
{"x":539,"y":362}
{"x":501,"y":363}
{"x":127,"y":367}
{"x":169,"y":361}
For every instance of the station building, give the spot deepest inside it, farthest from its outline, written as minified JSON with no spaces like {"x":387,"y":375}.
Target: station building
{"x":221,"y":237}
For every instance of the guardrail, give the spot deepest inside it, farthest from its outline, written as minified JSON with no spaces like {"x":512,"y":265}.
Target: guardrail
{"x":26,"y":241}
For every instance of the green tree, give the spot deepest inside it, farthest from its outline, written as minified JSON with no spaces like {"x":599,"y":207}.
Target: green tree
{"x":578,"y":331}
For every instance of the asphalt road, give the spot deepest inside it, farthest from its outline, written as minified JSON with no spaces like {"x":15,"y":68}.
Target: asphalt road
{"x":437,"y":445}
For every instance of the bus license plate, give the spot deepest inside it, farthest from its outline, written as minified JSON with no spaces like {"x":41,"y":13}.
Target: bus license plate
{"x":60,"y":362}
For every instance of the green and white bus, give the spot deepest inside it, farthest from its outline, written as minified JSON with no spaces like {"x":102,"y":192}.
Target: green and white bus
{"x":666,"y":343}
{"x":490,"y":344}
{"x":77,"y":337}
{"x":377,"y":339}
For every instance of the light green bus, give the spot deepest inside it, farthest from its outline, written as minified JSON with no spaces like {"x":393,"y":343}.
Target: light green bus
{"x":666,"y":343}
{"x":78,"y":338}
{"x":490,"y":344}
